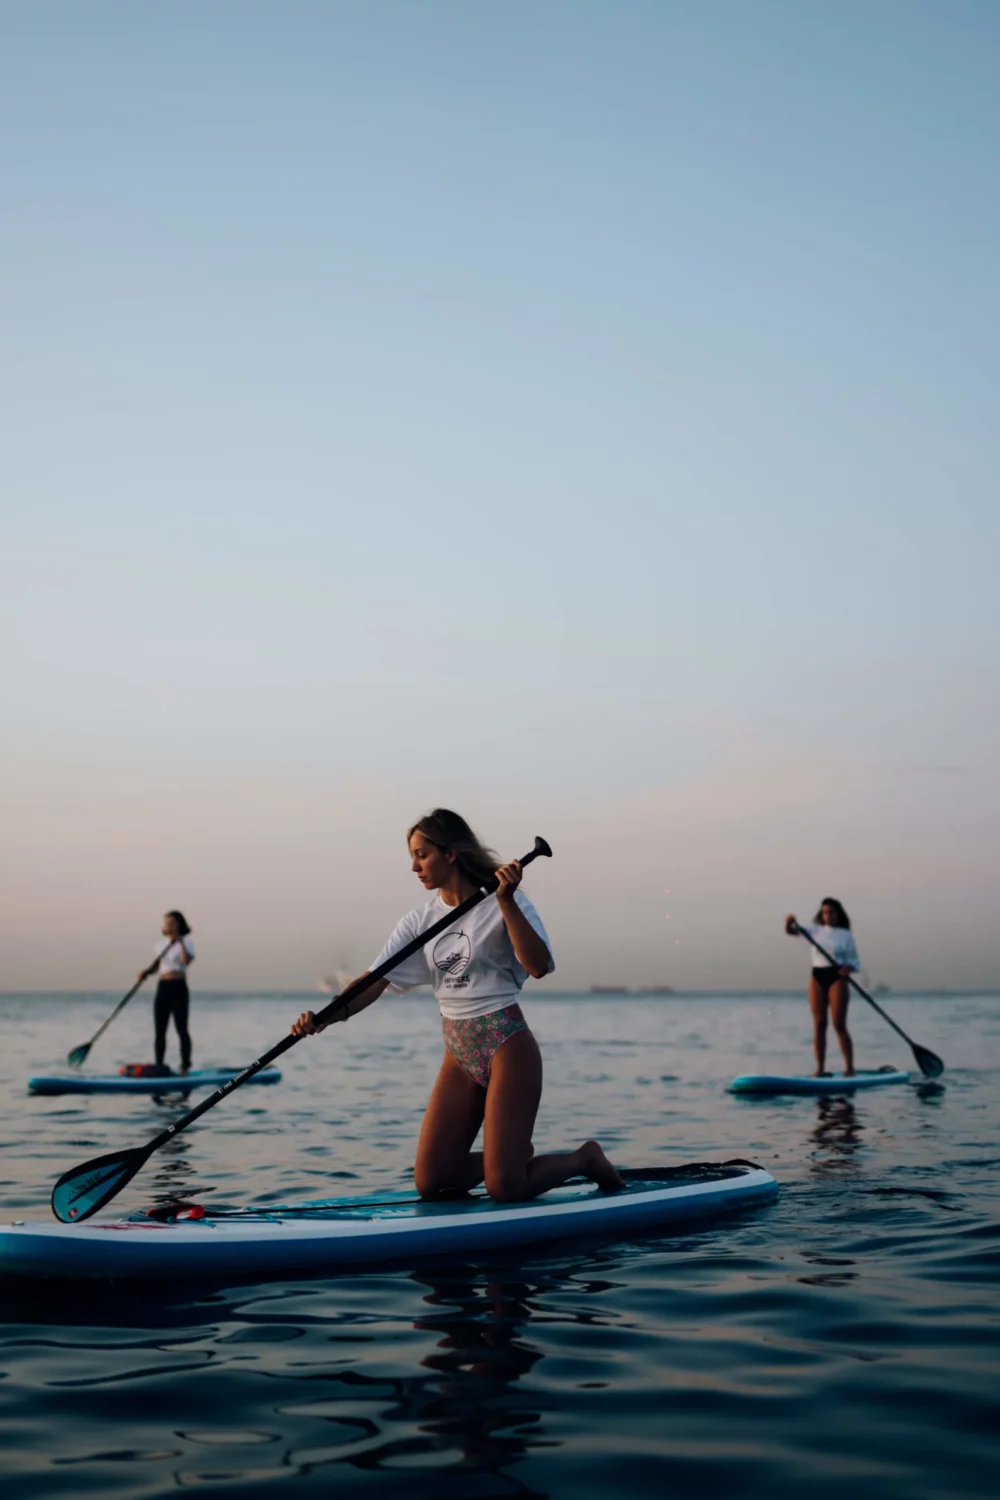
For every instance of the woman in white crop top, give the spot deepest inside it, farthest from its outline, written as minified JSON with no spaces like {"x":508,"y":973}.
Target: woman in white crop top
{"x":174,"y":956}
{"x":829,"y":991}
{"x":491,"y":1075}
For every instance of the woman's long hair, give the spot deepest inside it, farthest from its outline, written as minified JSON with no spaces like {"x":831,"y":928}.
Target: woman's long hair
{"x":179,"y":918}
{"x":840,"y":917}
{"x":447,"y":830}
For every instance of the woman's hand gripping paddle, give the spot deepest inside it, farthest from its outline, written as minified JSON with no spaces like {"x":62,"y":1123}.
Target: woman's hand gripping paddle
{"x":78,"y":1056}
{"x":83,"y":1190}
{"x":928,"y":1062}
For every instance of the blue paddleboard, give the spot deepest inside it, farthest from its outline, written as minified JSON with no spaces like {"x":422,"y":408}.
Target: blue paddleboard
{"x":116,"y":1083}
{"x":333,"y":1232}
{"x":834,"y":1083}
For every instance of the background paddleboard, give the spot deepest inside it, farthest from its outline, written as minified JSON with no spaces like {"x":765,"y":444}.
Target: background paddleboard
{"x":116,"y":1083}
{"x":836,"y":1083}
{"x":323,"y":1235}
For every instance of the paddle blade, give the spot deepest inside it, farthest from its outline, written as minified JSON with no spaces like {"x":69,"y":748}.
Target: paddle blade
{"x":81,"y":1191}
{"x":928,"y":1062}
{"x":78,"y":1056}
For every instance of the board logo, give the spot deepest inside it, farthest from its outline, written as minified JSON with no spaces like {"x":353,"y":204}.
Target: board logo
{"x":452,"y":954}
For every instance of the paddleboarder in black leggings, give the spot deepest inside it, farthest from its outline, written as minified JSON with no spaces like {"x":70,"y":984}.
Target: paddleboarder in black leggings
{"x":174,"y":955}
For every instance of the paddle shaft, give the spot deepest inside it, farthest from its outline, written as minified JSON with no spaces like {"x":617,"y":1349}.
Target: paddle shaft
{"x":851,"y":980}
{"x":120,"y":1006}
{"x":336,"y":1005}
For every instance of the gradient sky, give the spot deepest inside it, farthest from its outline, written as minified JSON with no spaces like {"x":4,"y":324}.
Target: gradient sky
{"x":582,"y":415}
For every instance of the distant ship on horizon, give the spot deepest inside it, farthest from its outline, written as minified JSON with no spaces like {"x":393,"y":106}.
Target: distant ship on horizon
{"x":624,"y":989}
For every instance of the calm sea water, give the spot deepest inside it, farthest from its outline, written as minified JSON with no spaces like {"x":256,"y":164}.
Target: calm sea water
{"x":846,"y":1336}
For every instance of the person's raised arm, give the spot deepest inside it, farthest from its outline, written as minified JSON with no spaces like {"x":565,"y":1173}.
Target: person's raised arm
{"x":791,"y":926}
{"x":306,"y":1024}
{"x":531,"y":950}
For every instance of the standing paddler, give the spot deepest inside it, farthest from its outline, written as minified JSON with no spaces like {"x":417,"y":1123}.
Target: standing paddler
{"x":829,"y":988}
{"x":174,"y":956}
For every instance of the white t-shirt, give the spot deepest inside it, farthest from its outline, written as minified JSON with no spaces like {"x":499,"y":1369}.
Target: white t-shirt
{"x":169,"y":954}
{"x":472,"y":964}
{"x":838,"y":942}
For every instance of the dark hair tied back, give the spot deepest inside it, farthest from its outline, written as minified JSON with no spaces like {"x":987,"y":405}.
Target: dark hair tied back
{"x":446,"y":830}
{"x":840,"y":917}
{"x":182,"y":926}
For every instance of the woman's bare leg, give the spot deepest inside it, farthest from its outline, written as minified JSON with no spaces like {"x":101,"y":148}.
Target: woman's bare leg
{"x":818,"y":1006}
{"x":840,"y":996}
{"x":511,"y":1172}
{"x":446,"y":1161}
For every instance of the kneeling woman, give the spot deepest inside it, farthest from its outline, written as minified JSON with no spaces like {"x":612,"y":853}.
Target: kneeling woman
{"x":491,"y":1075}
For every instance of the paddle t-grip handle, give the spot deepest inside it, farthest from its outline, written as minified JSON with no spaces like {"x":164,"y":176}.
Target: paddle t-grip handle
{"x":541,"y":847}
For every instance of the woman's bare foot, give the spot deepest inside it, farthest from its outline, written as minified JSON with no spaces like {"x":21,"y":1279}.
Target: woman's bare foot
{"x":597,"y":1167}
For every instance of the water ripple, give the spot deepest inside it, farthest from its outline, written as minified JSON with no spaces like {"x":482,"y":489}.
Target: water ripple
{"x":846,"y":1336}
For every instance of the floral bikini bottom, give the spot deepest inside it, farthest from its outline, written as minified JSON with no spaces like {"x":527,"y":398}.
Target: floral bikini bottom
{"x":473,"y":1041}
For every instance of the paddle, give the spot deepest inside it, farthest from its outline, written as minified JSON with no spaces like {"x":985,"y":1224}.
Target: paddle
{"x":84,"y":1189}
{"x":78,"y":1056}
{"x":928,"y":1062}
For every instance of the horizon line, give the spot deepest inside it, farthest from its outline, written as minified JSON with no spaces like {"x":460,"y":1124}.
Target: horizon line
{"x":616,"y":994}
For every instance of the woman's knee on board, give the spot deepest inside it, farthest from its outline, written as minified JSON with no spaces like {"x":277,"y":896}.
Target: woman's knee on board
{"x":507,"y":1182}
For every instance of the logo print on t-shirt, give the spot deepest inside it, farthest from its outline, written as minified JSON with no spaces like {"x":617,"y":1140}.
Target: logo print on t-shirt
{"x":452,"y":953}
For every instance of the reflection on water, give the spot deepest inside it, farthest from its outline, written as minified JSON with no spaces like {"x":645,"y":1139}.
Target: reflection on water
{"x":173,"y":1173}
{"x":478,"y":1358}
{"x":837,"y":1133}
{"x":730,"y":1358}
{"x":466,"y":1416}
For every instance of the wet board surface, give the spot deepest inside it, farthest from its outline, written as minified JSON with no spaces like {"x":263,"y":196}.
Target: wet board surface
{"x":116,"y":1083}
{"x":328,"y":1233}
{"x":836,"y":1083}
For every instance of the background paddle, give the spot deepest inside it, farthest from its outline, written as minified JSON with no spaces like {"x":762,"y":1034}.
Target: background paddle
{"x":78,"y":1056}
{"x":83,"y":1190}
{"x":928,"y":1062}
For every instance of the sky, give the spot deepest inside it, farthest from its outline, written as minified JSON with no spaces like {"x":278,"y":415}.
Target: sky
{"x":581,"y":415}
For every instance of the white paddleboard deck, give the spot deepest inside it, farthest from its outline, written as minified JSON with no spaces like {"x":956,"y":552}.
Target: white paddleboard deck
{"x":337,"y":1232}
